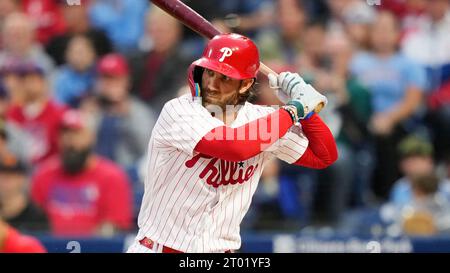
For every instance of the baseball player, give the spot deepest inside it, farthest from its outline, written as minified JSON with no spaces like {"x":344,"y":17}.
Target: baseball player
{"x":205,"y":160}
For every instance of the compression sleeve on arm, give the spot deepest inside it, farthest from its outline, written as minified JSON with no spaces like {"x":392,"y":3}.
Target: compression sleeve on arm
{"x":322,"y":150}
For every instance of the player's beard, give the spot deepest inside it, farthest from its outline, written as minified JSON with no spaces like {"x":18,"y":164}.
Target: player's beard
{"x":218,"y":99}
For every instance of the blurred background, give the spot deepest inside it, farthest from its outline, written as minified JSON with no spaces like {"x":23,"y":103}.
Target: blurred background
{"x":82,"y":83}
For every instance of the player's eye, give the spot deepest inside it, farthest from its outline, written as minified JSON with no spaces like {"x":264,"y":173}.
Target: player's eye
{"x":226,"y":78}
{"x":210,"y":72}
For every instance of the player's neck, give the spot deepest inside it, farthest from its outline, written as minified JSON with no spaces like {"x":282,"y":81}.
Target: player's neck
{"x":230,"y":117}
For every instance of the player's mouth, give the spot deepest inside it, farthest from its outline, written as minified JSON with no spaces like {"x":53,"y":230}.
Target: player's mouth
{"x":212,"y":93}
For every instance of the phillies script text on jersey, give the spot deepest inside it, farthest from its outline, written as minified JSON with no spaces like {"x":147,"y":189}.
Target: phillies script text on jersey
{"x":225,"y":174}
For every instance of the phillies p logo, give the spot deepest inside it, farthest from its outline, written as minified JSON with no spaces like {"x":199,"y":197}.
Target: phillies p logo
{"x":226,"y":53}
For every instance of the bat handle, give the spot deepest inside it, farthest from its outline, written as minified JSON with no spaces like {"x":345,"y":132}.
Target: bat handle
{"x":266,"y":71}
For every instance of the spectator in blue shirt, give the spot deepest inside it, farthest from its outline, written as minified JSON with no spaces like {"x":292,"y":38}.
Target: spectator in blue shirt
{"x":75,"y":79}
{"x":416,"y":159}
{"x":122,"y":20}
{"x":396,"y":85}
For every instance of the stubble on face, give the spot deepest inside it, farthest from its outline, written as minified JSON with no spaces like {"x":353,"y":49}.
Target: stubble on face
{"x":225,"y":92}
{"x":216,"y":98}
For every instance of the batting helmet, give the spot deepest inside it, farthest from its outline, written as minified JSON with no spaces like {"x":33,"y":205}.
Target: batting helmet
{"x":233,"y":55}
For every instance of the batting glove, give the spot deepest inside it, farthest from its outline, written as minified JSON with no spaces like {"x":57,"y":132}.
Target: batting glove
{"x":291,"y":88}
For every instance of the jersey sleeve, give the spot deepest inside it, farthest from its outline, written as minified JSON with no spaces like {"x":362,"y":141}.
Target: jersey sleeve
{"x":182,"y":124}
{"x":291,"y":146}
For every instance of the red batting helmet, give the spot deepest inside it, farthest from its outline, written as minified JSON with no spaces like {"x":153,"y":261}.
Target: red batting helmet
{"x":233,"y":55}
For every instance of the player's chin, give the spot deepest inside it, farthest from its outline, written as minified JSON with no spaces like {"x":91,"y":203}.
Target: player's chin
{"x":211,"y":100}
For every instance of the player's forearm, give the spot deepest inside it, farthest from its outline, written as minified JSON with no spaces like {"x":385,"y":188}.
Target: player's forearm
{"x":322,"y":150}
{"x":244,"y":144}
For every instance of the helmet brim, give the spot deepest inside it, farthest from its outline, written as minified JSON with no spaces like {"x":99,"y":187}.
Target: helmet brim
{"x":222,"y":68}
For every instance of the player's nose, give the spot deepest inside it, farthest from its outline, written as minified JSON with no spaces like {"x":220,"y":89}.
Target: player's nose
{"x":213,"y":81}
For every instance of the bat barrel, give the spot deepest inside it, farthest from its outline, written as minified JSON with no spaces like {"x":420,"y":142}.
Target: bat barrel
{"x":188,"y":17}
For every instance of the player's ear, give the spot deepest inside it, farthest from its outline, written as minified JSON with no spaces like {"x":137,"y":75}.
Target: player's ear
{"x":245,"y":85}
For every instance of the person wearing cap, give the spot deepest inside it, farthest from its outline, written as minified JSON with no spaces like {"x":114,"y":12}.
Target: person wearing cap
{"x":124,"y":122}
{"x":83,"y":193}
{"x":356,"y":21}
{"x":38,"y":114}
{"x":416,"y":160}
{"x":426,"y":213}
{"x":11,"y":77}
{"x":419,"y":202}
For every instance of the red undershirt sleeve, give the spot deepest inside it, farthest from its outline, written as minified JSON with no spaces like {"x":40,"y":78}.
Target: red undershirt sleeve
{"x":240,"y":147}
{"x":322,"y":150}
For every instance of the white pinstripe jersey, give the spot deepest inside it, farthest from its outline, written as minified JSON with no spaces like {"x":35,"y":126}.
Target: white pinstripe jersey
{"x":196,"y":204}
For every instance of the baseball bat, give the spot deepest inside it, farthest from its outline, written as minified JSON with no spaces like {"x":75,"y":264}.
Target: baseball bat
{"x":197,"y":23}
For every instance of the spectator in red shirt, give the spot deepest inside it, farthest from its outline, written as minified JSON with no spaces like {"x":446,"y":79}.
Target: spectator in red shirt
{"x":82,"y":193}
{"x":11,"y":241}
{"x":38,"y":115}
{"x":46,"y":16}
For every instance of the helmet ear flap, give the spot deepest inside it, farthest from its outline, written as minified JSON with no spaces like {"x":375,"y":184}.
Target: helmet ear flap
{"x":197,"y":74}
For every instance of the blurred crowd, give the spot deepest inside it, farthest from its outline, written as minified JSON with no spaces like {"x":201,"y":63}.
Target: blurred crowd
{"x":82,"y":85}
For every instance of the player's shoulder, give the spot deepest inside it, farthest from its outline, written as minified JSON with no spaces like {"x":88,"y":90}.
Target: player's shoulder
{"x":184,"y":104}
